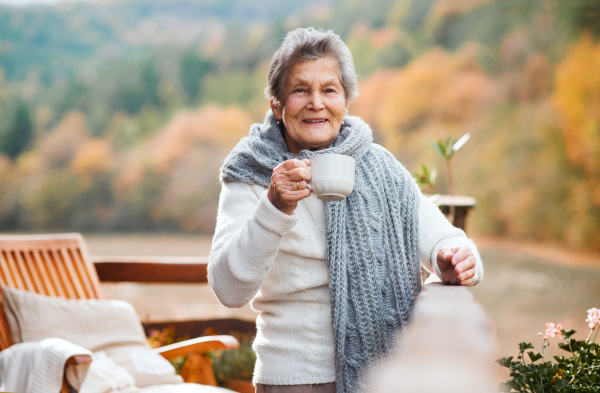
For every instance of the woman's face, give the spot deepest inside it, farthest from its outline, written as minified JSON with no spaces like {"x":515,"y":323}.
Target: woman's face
{"x":314,"y":105}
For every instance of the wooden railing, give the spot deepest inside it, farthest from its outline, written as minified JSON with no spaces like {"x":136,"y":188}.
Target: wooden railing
{"x":151,"y":269}
{"x":447,"y":347}
{"x":176,"y":270}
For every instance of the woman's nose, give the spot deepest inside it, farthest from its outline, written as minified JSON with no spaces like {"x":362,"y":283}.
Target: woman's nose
{"x":315,"y":101}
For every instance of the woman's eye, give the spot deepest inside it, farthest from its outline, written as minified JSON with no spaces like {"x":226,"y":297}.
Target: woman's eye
{"x":329,"y":90}
{"x":299,"y":90}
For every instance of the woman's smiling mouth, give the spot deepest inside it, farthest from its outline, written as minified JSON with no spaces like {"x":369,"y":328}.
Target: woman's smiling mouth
{"x":315,"y":120}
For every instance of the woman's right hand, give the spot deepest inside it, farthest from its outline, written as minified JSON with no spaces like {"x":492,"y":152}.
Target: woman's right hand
{"x":288,"y":184}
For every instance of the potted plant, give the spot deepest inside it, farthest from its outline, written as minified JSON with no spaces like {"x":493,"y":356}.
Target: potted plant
{"x":454,"y":207}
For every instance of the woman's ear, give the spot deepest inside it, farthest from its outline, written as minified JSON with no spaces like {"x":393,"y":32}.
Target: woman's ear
{"x":277,"y":110}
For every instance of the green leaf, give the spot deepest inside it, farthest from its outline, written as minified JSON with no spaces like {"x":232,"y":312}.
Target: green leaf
{"x":534,"y":356}
{"x":505,"y":362}
{"x":562,"y":383}
{"x":425,"y":178}
{"x":438,"y":147}
{"x":537,"y":388}
{"x":448,"y":143}
{"x":567,"y":333}
{"x":564,"y":347}
{"x":515,"y":385}
{"x":523,"y":346}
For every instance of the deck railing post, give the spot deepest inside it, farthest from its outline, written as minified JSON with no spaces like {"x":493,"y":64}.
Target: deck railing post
{"x":447,"y":347}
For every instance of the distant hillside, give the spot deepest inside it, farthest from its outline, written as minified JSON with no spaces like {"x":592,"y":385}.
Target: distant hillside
{"x":54,"y":40}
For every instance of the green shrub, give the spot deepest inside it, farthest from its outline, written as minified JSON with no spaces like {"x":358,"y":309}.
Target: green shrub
{"x":234,"y":363}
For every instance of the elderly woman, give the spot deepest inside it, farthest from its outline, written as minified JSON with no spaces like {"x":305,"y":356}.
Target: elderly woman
{"x":332,"y":282}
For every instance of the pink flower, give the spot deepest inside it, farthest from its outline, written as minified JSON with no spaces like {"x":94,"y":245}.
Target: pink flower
{"x":551,"y":330}
{"x":593,"y":318}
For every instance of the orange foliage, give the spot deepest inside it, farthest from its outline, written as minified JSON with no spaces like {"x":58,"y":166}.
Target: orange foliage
{"x":369,"y":100}
{"x":61,"y":145}
{"x":446,"y":7}
{"x":222,"y":126}
{"x":5,"y":165}
{"x":577,"y":98}
{"x":94,"y":156}
{"x":383,"y":37}
{"x":435,"y":91}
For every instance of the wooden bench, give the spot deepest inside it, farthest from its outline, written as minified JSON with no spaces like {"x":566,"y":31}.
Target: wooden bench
{"x":60,"y":266}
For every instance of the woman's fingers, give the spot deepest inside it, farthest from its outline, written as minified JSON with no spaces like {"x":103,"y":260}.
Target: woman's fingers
{"x":293,"y":170}
{"x":445,"y":256}
{"x":298,"y":174}
{"x":288,"y":184}
{"x":457,"y":265}
{"x":465,"y":270}
{"x":460,"y":254}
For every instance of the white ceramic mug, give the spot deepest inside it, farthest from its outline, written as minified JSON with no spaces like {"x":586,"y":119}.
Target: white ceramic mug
{"x":332,"y":176}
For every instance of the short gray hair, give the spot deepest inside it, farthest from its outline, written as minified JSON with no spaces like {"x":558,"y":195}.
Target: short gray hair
{"x":306,"y":45}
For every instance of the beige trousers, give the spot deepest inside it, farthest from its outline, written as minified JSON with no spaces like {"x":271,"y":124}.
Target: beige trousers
{"x":318,"y":388}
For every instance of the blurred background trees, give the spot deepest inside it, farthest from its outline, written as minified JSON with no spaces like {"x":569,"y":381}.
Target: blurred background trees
{"x":117,"y":115}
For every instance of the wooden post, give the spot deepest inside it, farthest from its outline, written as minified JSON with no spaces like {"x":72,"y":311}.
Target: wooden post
{"x":447,"y":347}
{"x":463,"y":204}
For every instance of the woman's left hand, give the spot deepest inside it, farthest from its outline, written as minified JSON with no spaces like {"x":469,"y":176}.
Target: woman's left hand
{"x":457,"y":265}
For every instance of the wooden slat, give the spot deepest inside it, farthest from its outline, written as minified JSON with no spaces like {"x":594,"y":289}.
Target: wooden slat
{"x":49,"y":289}
{"x":56,"y":274}
{"x":25,"y":274}
{"x":72,"y":273}
{"x":63,"y":274}
{"x":5,"y":274}
{"x":79,"y":267}
{"x":34,"y":273}
{"x":13,"y":270}
{"x":84,"y":255}
{"x":152,"y":269}
{"x":46,"y":261}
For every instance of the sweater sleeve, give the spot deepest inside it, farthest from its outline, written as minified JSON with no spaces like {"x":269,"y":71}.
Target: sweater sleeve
{"x":435,"y":233}
{"x":247,"y":239}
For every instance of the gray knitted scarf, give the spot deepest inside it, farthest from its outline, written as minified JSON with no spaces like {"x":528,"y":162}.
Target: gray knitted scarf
{"x":371,"y":243}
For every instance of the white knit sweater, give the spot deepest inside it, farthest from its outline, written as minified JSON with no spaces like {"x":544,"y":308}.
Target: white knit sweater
{"x":277,"y":261}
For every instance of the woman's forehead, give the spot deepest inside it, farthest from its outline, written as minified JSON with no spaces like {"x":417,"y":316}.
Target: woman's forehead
{"x":322,"y":70}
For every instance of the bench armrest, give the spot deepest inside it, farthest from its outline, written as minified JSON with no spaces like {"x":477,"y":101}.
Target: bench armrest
{"x":200,"y":344}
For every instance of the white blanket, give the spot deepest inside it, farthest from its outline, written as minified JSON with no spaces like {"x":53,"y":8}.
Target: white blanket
{"x":36,"y":367}
{"x":39,"y":367}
